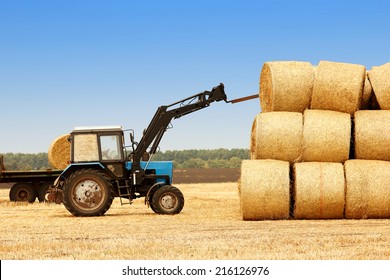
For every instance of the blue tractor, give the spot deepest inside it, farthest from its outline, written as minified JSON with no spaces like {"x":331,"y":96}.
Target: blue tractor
{"x":101,"y":168}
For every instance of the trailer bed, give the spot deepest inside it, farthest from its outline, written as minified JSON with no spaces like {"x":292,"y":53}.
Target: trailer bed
{"x":28,"y":184}
{"x":27,"y":176}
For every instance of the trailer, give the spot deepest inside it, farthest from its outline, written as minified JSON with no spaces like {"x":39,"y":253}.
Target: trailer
{"x":28,"y":185}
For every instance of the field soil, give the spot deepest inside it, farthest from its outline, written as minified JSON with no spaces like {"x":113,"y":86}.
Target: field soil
{"x":205,"y":175}
{"x":209,"y":227}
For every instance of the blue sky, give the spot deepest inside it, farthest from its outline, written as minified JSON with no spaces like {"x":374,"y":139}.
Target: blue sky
{"x":67,"y":63}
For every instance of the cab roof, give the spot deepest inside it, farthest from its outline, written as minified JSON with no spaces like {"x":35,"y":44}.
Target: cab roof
{"x":114,"y":128}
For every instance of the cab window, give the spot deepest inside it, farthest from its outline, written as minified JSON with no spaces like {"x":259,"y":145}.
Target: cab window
{"x":110,"y":147}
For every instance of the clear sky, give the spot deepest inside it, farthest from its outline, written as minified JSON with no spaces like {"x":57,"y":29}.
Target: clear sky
{"x":67,"y":63}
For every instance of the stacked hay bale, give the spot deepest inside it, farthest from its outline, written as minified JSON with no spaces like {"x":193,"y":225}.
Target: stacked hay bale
{"x":368,"y":189}
{"x":326,"y":136}
{"x":338,"y":87}
{"x":372,"y":134}
{"x":277,"y":135}
{"x":286,"y":86}
{"x":318,"y":190}
{"x":315,"y":136}
{"x":272,"y":200}
{"x":379,"y":78}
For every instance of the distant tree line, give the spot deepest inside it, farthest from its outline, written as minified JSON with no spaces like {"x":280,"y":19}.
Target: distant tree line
{"x":21,"y":161}
{"x":217,"y":158}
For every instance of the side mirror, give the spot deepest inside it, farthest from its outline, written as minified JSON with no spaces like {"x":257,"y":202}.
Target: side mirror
{"x":133,"y":143}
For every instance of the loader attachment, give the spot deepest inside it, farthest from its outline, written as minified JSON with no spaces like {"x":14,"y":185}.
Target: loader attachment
{"x":241,"y":99}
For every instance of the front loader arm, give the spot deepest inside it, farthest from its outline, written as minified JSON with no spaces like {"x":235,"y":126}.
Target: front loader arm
{"x":164,"y":114}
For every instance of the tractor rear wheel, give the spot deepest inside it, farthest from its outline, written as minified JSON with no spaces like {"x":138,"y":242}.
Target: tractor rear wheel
{"x":22,"y":192}
{"x":167,"y":200}
{"x":87,"y":192}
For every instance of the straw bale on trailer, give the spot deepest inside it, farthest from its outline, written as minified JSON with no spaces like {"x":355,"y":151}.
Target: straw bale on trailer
{"x":326,"y":136}
{"x":380,"y":80}
{"x":265,"y":189}
{"x":338,"y":86}
{"x":372,"y":134}
{"x":286,"y":86}
{"x":368,"y":189}
{"x":319,"y":190}
{"x":277,"y":135}
{"x":59,"y":152}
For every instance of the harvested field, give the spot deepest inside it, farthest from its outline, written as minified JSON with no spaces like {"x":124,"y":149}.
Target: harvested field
{"x":209,"y":227}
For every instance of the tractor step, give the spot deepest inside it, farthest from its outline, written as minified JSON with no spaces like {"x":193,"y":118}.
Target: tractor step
{"x":124,"y":195}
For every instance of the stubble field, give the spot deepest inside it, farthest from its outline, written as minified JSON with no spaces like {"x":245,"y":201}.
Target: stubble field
{"x":209,"y":227}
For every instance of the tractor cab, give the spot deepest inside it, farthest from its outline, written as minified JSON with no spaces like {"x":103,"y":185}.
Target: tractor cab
{"x":103,"y":145}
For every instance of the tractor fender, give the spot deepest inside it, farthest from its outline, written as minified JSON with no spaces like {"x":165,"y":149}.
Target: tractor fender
{"x":151,"y":190}
{"x":76,"y":166}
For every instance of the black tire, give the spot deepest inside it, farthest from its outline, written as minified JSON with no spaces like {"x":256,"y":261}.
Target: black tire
{"x":22,"y":192}
{"x":151,"y":203}
{"x":43,"y":190}
{"x":167,"y":200}
{"x":87,"y":192}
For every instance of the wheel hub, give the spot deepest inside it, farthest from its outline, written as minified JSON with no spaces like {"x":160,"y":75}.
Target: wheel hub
{"x":22,"y":195}
{"x":88,"y":194}
{"x":168,"y":201}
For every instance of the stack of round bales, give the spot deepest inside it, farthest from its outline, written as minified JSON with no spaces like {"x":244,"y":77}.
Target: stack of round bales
{"x":315,"y":136}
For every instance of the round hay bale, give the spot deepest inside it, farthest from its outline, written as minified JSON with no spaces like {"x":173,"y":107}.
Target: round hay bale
{"x":338,"y":86}
{"x":367,"y":94}
{"x":59,"y":152}
{"x":319,"y":190}
{"x":372,"y":134}
{"x":380,"y":80}
{"x":368,"y":189}
{"x":326,"y":136}
{"x":277,"y":135}
{"x":286,"y":86}
{"x":265,"y":189}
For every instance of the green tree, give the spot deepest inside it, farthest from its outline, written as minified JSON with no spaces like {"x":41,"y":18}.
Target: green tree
{"x":218,"y":163}
{"x":235,"y":162}
{"x":194,"y":163}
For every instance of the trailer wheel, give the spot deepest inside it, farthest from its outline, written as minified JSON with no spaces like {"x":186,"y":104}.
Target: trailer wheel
{"x":22,"y":192}
{"x":167,"y":200}
{"x":87,"y":192}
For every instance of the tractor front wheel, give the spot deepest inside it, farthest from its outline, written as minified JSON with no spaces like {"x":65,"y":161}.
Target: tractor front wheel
{"x":167,"y":200}
{"x":87,"y":192}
